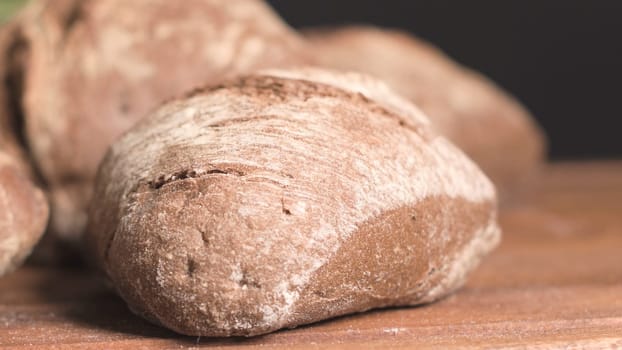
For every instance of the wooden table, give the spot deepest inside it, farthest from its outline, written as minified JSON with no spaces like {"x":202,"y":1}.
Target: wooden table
{"x":555,"y":282}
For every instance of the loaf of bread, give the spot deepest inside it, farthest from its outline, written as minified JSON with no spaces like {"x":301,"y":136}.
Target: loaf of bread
{"x":284,"y":198}
{"x":93,"y":68}
{"x":23,"y":207}
{"x":487,"y":124}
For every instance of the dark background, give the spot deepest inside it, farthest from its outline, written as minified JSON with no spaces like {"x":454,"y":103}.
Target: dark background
{"x":562,"y":58}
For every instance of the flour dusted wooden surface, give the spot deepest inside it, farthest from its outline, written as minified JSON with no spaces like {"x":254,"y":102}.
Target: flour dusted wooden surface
{"x":555,"y":281}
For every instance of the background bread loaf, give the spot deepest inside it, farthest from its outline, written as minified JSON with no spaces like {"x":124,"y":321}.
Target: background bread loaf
{"x":91,"y":69}
{"x":23,"y":207}
{"x":269,"y":202}
{"x":488,"y":124}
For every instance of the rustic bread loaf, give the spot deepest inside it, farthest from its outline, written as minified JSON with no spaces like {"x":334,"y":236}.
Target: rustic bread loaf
{"x":93,"y":68}
{"x":269,"y":202}
{"x":23,"y":207}
{"x":23,"y":213}
{"x":489,"y":125}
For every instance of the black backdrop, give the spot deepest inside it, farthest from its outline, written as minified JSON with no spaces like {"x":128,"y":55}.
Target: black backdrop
{"x":562,"y":58}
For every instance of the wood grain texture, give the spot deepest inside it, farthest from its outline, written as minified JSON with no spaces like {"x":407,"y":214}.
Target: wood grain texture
{"x":555,"y":282}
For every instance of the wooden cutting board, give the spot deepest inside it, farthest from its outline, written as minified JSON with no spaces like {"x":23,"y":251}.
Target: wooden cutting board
{"x":555,"y":282}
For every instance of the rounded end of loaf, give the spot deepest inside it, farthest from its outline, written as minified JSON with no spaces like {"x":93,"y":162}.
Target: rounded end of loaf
{"x":23,"y":215}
